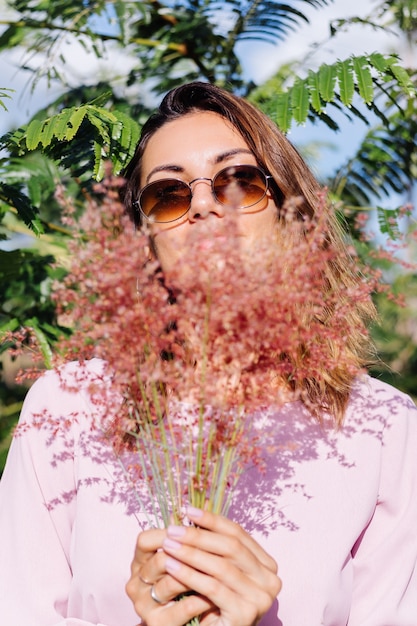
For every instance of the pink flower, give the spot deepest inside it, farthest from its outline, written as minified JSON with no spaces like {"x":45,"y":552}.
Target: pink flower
{"x":195,"y":354}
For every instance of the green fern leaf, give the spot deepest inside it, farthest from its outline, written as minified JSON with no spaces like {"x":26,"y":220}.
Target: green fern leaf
{"x":61,"y":122}
{"x":4,"y":94}
{"x":103,"y":121}
{"x":283,"y":111}
{"x":25,"y":209}
{"x":345,"y":77}
{"x":300,"y":101}
{"x":101,"y":99}
{"x":130,"y":132}
{"x":99,"y":161}
{"x":327,"y":81}
{"x":107,"y":116}
{"x":379,"y":62}
{"x":74,"y":122}
{"x":364,"y":78}
{"x":33,"y":134}
{"x":47,"y":132}
{"x":55,"y":127}
{"x":34,"y":191}
{"x":314,"y":86}
{"x":124,"y":139}
{"x":403,"y":78}
{"x":388,"y":67}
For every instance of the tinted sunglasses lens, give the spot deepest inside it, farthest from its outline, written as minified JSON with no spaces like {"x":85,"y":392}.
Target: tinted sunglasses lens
{"x":240,"y":185}
{"x":165,"y":200}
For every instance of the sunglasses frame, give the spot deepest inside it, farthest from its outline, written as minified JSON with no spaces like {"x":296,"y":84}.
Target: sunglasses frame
{"x":137,"y":203}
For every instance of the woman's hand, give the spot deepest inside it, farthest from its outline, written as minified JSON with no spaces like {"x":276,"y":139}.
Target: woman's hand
{"x":233,"y":579}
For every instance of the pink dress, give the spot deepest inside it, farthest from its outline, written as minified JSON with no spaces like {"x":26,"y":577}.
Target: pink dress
{"x":336,"y":509}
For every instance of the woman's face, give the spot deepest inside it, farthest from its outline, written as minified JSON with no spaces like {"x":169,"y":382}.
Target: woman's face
{"x":199,"y":145}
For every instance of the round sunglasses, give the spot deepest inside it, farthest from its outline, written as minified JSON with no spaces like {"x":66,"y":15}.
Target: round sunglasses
{"x":169,"y":199}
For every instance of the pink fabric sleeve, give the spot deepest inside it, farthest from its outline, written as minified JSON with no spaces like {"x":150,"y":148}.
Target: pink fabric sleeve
{"x":32,"y":533}
{"x":385,"y":556}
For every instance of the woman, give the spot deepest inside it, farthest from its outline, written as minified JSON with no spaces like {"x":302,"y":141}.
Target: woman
{"x":335,"y":512}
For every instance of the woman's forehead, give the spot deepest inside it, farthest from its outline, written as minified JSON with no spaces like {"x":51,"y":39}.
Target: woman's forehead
{"x":198,"y":138}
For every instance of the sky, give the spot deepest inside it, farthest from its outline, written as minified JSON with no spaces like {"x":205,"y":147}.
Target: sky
{"x":259,"y":61}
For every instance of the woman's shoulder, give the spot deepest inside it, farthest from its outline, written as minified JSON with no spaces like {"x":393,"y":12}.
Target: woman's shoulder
{"x":72,"y":376}
{"x":370,"y":389}
{"x":373,"y":400}
{"x":66,"y":391}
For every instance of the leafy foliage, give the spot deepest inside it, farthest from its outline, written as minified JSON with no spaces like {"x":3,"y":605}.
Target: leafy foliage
{"x":179,"y":38}
{"x":114,"y":134}
{"x":27,"y":278}
{"x":335,"y":85}
{"x":404,"y":12}
{"x":96,"y":136}
{"x":396,"y":337}
{"x":386,"y":162}
{"x":4,"y":93}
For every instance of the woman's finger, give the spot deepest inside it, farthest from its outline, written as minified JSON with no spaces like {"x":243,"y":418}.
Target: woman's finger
{"x":224,"y":539}
{"x":219,"y":560}
{"x":223,"y":559}
{"x":229,"y":574}
{"x":226,"y":527}
{"x":154,"y":612}
{"x":237,"y":599}
{"x":148,"y":568}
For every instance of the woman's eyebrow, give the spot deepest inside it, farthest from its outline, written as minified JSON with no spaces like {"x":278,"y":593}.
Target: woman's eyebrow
{"x":178,"y":169}
{"x":231,"y":153}
{"x":168,"y":167}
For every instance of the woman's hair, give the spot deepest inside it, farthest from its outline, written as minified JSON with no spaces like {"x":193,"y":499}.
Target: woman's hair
{"x":293,"y":179}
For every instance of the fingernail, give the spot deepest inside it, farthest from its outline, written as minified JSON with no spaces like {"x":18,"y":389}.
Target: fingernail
{"x":170,"y":544}
{"x":176,"y":531}
{"x":192,"y":511}
{"x":172,"y":566}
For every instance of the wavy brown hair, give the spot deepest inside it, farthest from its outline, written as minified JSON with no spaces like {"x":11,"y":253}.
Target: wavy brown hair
{"x":293,"y":179}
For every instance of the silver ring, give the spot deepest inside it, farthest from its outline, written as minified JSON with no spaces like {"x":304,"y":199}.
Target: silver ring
{"x":155,"y":597}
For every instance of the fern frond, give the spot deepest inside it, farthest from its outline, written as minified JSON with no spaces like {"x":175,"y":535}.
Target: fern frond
{"x":114,"y":135}
{"x":28,"y":213}
{"x":338,"y":83}
{"x":385,"y":163}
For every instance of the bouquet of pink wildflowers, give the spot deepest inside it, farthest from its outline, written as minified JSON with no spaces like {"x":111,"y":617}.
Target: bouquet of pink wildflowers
{"x":195,"y":353}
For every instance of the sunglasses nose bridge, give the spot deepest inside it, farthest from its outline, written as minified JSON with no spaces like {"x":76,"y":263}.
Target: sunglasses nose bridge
{"x":203,"y":200}
{"x":201,"y":178}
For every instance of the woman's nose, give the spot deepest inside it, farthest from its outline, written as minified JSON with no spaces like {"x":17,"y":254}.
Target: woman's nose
{"x":203,"y":202}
